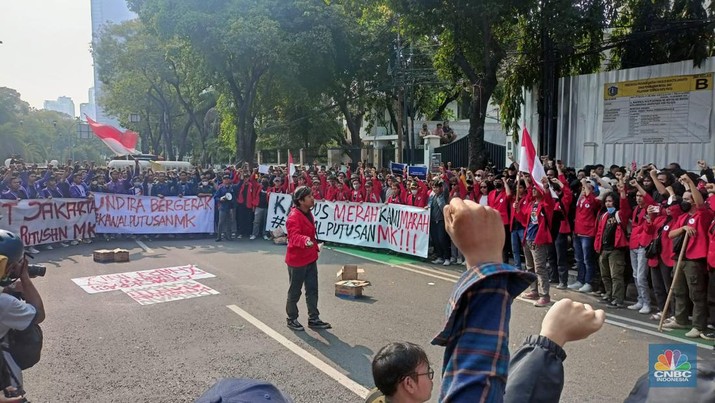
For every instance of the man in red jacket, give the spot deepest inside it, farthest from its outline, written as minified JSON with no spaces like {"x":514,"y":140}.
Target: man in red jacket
{"x":302,"y":258}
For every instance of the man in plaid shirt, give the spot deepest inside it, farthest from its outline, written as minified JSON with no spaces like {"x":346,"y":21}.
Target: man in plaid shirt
{"x":476,"y":333}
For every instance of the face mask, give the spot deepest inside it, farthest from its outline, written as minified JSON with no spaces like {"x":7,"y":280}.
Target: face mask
{"x":498,"y":185}
{"x":685,"y":206}
{"x":611,"y":210}
{"x":137,"y":184}
{"x":205,"y":183}
{"x":414,"y":192}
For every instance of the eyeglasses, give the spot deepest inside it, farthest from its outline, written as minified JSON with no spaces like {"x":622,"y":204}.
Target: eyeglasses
{"x":429,"y":373}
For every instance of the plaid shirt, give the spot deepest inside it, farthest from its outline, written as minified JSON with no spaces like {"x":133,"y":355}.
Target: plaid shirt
{"x":476,"y":334}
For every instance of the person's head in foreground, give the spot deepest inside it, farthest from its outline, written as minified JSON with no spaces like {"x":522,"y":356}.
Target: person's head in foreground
{"x":402,"y":372}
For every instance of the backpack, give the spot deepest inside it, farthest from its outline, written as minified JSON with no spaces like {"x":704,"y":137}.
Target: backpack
{"x":25,"y":346}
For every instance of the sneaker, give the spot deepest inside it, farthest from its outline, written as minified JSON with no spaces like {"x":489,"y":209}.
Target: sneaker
{"x":673,"y":324}
{"x":453,"y":260}
{"x":252,"y":237}
{"x":239,"y":237}
{"x":293,"y":324}
{"x":530,"y":295}
{"x":645,"y":310}
{"x":615,"y":304}
{"x":64,"y":244}
{"x":446,"y":263}
{"x":586,"y":288}
{"x":48,"y":247}
{"x":656,"y":316}
{"x":459,"y":261}
{"x":438,"y":261}
{"x":635,"y":307}
{"x":562,"y":286}
{"x":74,"y":243}
{"x":575,"y":286}
{"x":708,"y":335}
{"x":32,"y":250}
{"x":711,"y":327}
{"x":318,"y":324}
{"x":265,"y":238}
{"x":87,"y":241}
{"x":543,"y":301}
{"x":219,"y":239}
{"x":605,"y":297}
{"x":693,"y":333}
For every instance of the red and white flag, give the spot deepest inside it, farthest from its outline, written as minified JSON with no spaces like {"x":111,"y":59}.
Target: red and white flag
{"x":529,"y":162}
{"x":120,"y":143}
{"x":291,"y":171}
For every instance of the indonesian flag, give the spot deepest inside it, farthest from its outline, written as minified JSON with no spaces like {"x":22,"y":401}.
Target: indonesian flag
{"x":291,"y":170}
{"x":529,"y":162}
{"x":120,"y":143}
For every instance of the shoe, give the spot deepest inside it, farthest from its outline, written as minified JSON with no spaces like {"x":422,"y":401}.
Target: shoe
{"x":693,"y":333}
{"x":446,"y":263}
{"x":459,"y":261}
{"x":530,"y":295}
{"x":64,"y":244}
{"x":605,"y":297}
{"x":32,"y":250}
{"x":74,"y":243}
{"x":673,"y":324}
{"x":586,"y":288}
{"x":438,"y":261}
{"x":656,"y":316}
{"x":707,"y":335}
{"x":265,"y":238}
{"x":252,"y":237}
{"x":453,"y":260}
{"x":645,"y":310}
{"x":615,"y":304}
{"x":239,"y":237}
{"x":219,"y":239}
{"x":293,"y":324}
{"x":87,"y":241}
{"x":575,"y":286}
{"x":562,"y":286}
{"x":318,"y":324}
{"x":711,"y":327}
{"x":543,"y":301}
{"x":49,"y":247}
{"x":635,"y":307}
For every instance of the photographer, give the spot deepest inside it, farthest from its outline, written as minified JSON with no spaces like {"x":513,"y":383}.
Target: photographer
{"x":15,"y":314}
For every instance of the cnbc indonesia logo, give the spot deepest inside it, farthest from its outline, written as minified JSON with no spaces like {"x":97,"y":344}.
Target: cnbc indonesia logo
{"x":672,"y":366}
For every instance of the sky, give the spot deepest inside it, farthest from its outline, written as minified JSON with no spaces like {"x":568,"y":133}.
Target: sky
{"x":46,"y":49}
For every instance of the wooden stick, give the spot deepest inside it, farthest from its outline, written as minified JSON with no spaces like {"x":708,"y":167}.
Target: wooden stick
{"x":672,"y":284}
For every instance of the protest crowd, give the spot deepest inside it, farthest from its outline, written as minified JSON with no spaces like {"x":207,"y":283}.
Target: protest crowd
{"x":611,"y":224}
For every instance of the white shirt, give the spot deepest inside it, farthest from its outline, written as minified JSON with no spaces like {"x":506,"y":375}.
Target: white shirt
{"x":18,"y":315}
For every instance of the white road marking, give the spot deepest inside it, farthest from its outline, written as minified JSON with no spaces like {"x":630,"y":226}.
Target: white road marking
{"x":351,"y":385}
{"x":143,"y":246}
{"x":663,"y":335}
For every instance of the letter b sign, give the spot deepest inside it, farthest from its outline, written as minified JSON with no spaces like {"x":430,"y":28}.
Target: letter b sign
{"x":702,"y":84}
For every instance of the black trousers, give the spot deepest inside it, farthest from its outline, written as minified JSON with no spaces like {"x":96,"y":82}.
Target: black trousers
{"x":297,"y":277}
{"x":440,"y":240}
{"x":244,"y":220}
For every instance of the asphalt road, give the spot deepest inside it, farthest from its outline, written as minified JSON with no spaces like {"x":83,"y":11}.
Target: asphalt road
{"x":106,"y":347}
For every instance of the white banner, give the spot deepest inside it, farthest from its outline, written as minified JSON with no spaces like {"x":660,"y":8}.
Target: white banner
{"x":672,"y":109}
{"x":403,"y":229}
{"x":41,"y":221}
{"x":126,"y":214}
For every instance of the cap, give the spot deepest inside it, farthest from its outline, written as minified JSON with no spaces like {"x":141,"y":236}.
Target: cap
{"x":244,"y":390}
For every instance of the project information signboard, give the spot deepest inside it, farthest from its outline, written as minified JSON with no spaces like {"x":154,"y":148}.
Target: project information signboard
{"x":673,"y":109}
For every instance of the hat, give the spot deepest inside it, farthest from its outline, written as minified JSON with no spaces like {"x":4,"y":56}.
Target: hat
{"x":244,"y":390}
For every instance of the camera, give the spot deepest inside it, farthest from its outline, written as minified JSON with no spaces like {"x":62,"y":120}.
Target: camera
{"x":36,"y":270}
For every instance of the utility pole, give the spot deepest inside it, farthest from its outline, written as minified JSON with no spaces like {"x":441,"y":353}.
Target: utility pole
{"x":400,"y":96}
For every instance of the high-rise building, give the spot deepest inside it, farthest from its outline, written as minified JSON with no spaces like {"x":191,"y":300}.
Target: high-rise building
{"x":62,"y":104}
{"x":105,"y":12}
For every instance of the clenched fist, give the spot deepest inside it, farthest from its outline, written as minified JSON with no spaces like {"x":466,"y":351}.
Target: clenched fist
{"x":476,"y":230}
{"x":571,"y":321}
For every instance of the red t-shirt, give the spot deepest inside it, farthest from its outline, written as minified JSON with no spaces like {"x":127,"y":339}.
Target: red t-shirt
{"x":700,"y":220}
{"x":587,"y":208}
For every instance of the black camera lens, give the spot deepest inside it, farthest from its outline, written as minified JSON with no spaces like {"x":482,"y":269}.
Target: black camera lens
{"x":36,"y":270}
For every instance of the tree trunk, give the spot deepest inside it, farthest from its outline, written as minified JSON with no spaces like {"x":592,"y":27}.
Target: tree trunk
{"x":447,"y":100}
